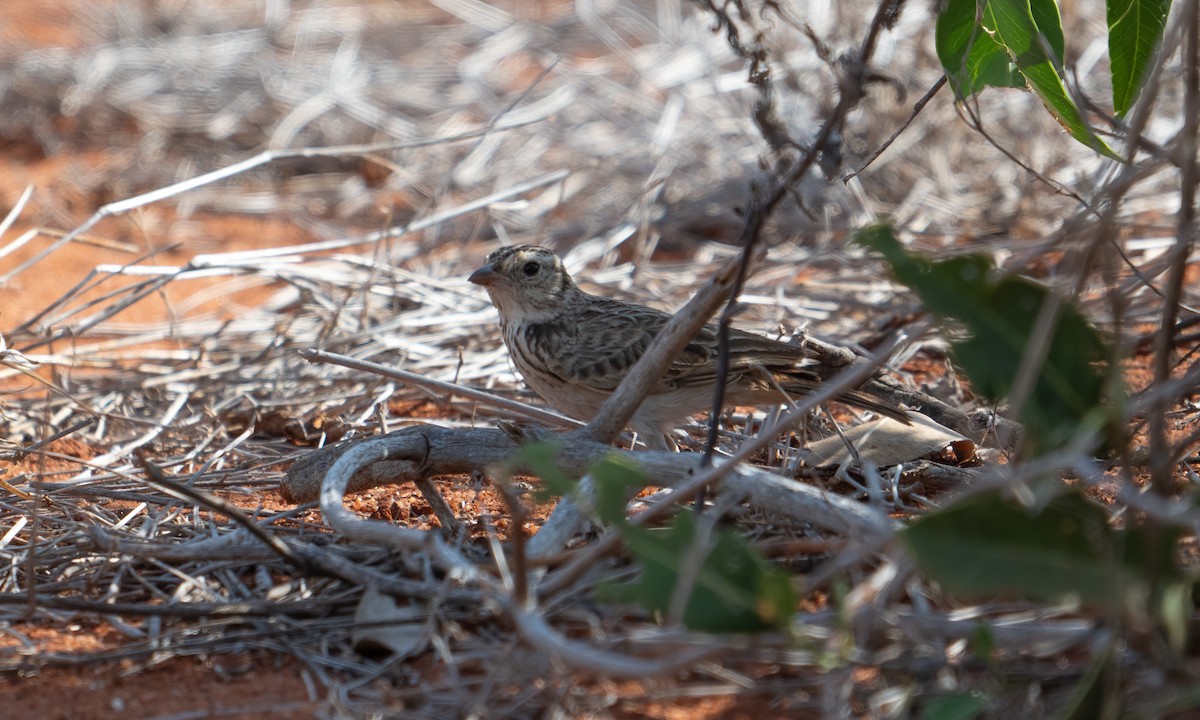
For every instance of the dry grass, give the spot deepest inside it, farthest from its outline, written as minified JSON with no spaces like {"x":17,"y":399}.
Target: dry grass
{"x":622,"y":135}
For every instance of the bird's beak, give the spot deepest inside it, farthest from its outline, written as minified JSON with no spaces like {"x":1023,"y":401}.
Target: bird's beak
{"x":484,"y":276}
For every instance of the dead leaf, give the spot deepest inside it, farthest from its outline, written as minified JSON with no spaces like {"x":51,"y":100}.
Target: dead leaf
{"x":379,"y":622}
{"x":888,"y":442}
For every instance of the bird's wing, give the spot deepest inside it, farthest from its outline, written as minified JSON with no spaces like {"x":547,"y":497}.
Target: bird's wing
{"x":748,"y":350}
{"x":595,"y":346}
{"x":602,"y":341}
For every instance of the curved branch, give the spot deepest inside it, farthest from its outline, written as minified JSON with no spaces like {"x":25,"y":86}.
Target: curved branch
{"x":423,"y":450}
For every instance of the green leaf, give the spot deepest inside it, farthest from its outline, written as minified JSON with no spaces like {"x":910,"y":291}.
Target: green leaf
{"x":735,"y":589}
{"x":1014,"y":27}
{"x":999,"y":314}
{"x":1135,"y":30}
{"x":974,"y":59}
{"x":541,"y":459}
{"x":616,"y":476}
{"x":959,"y":706}
{"x":989,"y":545}
{"x":971,"y":58}
{"x":1011,"y":43}
{"x":1049,"y":23}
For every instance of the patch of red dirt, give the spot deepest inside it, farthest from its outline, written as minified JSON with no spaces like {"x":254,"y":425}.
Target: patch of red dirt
{"x":244,"y":686}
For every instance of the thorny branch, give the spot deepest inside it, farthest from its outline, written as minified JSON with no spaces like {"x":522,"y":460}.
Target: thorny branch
{"x":852,"y":88}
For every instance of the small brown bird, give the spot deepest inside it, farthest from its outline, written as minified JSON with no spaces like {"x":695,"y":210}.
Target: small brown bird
{"x":574,"y":348}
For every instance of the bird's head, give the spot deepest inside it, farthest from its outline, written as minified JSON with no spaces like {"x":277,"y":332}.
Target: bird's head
{"x":527,"y":283}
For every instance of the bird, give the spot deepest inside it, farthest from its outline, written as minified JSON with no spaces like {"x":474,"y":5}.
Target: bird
{"x":573,"y":349}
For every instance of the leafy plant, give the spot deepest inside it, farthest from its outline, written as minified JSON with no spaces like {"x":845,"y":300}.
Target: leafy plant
{"x":732,"y":587}
{"x":1020,"y":44}
{"x":1000,"y":314}
{"x":735,"y":589}
{"x":990,"y":545}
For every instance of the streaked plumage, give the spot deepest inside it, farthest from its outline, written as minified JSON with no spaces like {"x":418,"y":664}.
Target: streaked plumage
{"x":574,"y":348}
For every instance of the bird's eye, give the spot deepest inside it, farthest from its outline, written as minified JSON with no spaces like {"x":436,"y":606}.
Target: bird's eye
{"x":531,"y":268}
